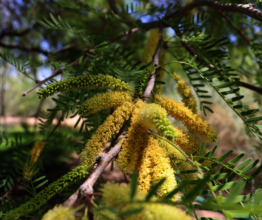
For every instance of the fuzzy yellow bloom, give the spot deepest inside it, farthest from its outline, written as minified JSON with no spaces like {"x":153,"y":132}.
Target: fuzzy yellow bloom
{"x":144,"y":169}
{"x":188,"y":143}
{"x":154,"y":166}
{"x":102,"y":135}
{"x":103,"y":101}
{"x":59,"y":213}
{"x":185,"y":92}
{"x":119,"y":196}
{"x":177,"y":157}
{"x":136,"y":140}
{"x":150,"y":47}
{"x":34,"y":153}
{"x":162,"y":169}
{"x":91,"y":82}
{"x":154,"y":116}
{"x":189,"y":119}
{"x":161,"y":72}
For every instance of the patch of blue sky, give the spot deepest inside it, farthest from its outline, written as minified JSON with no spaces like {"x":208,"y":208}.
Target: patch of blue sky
{"x":44,"y":72}
{"x":232,"y":37}
{"x":45,"y":45}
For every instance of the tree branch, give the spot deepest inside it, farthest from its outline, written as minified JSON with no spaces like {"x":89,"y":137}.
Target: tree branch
{"x":52,"y":76}
{"x":87,"y":187}
{"x":246,"y":9}
{"x":112,"y":5}
{"x":33,"y":49}
{"x":17,"y":33}
{"x":234,"y":26}
{"x":151,"y":82}
{"x":124,"y":34}
{"x":74,"y":62}
{"x":249,"y":86}
{"x":193,"y":53}
{"x":11,"y":189}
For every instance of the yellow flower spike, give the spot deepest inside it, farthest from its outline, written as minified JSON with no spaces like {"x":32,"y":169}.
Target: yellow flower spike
{"x":185,"y":92}
{"x":161,"y":169}
{"x":118,"y":197}
{"x":103,"y":101}
{"x":188,"y":143}
{"x":178,"y":157}
{"x":161,"y":72}
{"x":150,"y":47}
{"x":154,"y":116}
{"x":102,"y":135}
{"x":59,"y":213}
{"x":189,"y":119}
{"x":144,"y":169}
{"x":135,"y":142}
{"x":34,"y":153}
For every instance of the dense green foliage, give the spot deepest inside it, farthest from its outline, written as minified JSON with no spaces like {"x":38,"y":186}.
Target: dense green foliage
{"x":96,"y":47}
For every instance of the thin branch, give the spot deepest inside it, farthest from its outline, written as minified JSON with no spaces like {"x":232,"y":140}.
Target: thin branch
{"x":151,"y":82}
{"x":193,"y":53}
{"x":52,"y":76}
{"x":64,"y":48}
{"x":118,"y":135}
{"x":87,"y":187}
{"x":33,"y":49}
{"x":40,"y":83}
{"x":15,"y":33}
{"x":124,"y":34}
{"x":11,"y":189}
{"x":249,"y":86}
{"x":54,"y":129}
{"x":89,"y":206}
{"x":234,"y":26}
{"x":246,"y":9}
{"x":112,"y":5}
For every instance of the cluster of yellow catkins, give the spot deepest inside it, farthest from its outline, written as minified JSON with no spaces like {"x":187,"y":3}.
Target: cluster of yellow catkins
{"x":153,"y":158}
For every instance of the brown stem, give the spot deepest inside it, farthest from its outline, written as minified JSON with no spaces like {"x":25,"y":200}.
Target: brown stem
{"x":53,"y":131}
{"x":246,"y":9}
{"x":33,"y":49}
{"x":233,"y":25}
{"x":11,"y":189}
{"x":112,"y":5}
{"x":124,"y":34}
{"x":193,"y":53}
{"x":17,"y":33}
{"x":75,"y":62}
{"x":118,"y":135}
{"x":89,"y":206}
{"x":53,"y":75}
{"x":151,"y":82}
{"x":87,"y":187}
{"x":37,"y":114}
{"x":249,"y":86}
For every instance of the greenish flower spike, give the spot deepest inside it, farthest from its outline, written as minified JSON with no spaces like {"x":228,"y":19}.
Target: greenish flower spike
{"x":103,"y":101}
{"x":82,"y":82}
{"x":55,"y":188}
{"x":154,"y":116}
{"x":142,"y":80}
